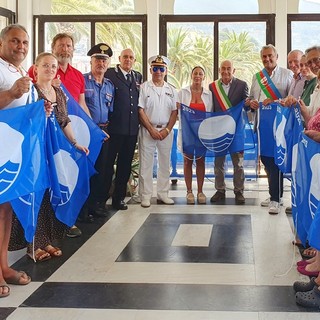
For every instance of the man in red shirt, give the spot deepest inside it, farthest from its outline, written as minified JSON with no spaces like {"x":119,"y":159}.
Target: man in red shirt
{"x":62,"y":47}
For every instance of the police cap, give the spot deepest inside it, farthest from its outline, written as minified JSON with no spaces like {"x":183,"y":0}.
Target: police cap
{"x":100,"y":51}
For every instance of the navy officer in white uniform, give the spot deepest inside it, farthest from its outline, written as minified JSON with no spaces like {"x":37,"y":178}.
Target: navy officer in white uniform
{"x":157,"y":113}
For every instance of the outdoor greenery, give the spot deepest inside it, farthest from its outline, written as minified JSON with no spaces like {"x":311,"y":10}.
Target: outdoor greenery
{"x":187,"y":46}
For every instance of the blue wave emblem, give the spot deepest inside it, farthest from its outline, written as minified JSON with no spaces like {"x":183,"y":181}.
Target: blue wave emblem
{"x":217,"y":133}
{"x":281,"y":155}
{"x":65,"y":196}
{"x":281,"y":141}
{"x":219,"y":144}
{"x":8,"y":174}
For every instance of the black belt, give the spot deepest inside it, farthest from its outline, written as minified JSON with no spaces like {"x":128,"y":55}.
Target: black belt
{"x":159,"y":126}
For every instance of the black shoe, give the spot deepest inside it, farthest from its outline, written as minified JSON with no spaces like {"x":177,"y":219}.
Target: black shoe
{"x":218,"y":196}
{"x":288,"y":210}
{"x":86,"y":219}
{"x":119,"y":205}
{"x":85,"y":216}
{"x":100,"y":210}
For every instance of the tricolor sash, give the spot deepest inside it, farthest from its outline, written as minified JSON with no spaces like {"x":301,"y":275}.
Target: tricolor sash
{"x":221,"y":95}
{"x":267,"y":86}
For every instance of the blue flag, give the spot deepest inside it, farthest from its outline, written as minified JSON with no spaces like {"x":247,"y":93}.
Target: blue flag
{"x":23,"y":169}
{"x":219,"y":133}
{"x":306,"y":177}
{"x":314,"y":234}
{"x":69,"y":174}
{"x":288,"y":129}
{"x":85,"y":130}
{"x":265,"y":127}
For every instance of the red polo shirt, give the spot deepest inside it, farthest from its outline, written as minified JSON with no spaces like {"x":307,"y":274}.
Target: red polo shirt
{"x":72,"y":79}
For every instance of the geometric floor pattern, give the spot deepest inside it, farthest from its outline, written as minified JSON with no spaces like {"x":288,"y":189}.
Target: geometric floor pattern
{"x":215,"y":261}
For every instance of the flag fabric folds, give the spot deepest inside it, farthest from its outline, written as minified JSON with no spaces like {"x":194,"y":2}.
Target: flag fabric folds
{"x":265,"y":127}
{"x":85,"y":130}
{"x":305,"y":184}
{"x":23,"y":170}
{"x":288,"y":129}
{"x":314,"y":234}
{"x":69,"y":174}
{"x":213,"y":133}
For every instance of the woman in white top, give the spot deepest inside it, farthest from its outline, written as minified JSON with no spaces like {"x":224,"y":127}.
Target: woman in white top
{"x":199,"y":98}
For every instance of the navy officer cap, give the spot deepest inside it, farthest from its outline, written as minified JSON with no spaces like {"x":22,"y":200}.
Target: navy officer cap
{"x":100,"y":51}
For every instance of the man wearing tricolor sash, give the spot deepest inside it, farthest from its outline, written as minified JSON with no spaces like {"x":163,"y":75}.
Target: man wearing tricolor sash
{"x":269,"y":85}
{"x":227,"y":92}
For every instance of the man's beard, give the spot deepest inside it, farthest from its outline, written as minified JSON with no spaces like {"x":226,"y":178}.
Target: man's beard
{"x":65,"y":58}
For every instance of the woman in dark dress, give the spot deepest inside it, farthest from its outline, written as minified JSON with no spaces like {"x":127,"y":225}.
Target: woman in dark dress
{"x":49,"y":228}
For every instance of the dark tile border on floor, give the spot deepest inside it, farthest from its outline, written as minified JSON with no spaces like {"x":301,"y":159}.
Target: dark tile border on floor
{"x":5,"y":312}
{"x":236,"y":298}
{"x":41,"y":271}
{"x":230,"y":242}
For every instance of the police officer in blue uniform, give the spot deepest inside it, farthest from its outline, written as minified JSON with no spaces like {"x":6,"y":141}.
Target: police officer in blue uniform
{"x":99,"y":96}
{"x":124,"y":125}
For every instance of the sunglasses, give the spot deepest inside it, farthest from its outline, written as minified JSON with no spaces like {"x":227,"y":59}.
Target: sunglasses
{"x":155,"y":69}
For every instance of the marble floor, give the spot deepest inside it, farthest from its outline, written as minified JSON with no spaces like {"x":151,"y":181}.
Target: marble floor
{"x":191,"y":262}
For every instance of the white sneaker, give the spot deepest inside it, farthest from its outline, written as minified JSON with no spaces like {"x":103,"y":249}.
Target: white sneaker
{"x":145,"y":203}
{"x":274,"y":207}
{"x":266,"y":203}
{"x":165,"y":200}
{"x":136,"y":199}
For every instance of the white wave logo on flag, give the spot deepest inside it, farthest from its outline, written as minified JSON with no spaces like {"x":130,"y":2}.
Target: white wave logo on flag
{"x":281,"y":141}
{"x":314,"y":195}
{"x":11,"y":156}
{"x":217,"y":133}
{"x":81,"y":130}
{"x":67,"y":172}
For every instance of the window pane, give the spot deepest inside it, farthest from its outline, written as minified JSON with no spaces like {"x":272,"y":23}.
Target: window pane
{"x":120,"y":36}
{"x":309,"y":6}
{"x":216,"y":7}
{"x":80,"y":32}
{"x":189,"y":45}
{"x":303,"y":34}
{"x":241,"y":42}
{"x":92,"y":7}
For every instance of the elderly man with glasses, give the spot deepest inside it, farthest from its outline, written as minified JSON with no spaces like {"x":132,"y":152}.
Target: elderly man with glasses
{"x":158,"y":113}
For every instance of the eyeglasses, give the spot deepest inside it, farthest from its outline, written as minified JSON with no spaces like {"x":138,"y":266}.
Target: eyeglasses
{"x":313,"y":61}
{"x":48,"y":66}
{"x":162,"y":69}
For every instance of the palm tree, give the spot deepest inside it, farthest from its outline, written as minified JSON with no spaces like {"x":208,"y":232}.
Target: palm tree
{"x":243,"y":51}
{"x":186,"y":49}
{"x":117,"y":35}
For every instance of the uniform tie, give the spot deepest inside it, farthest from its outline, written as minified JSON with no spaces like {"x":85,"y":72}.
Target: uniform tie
{"x":128,"y":75}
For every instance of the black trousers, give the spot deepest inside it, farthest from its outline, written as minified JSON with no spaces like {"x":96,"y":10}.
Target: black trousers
{"x":98,"y":182}
{"x":121,"y":152}
{"x":275,"y":178}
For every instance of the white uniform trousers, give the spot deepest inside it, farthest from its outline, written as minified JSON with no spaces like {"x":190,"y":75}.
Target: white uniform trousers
{"x":147,"y":147}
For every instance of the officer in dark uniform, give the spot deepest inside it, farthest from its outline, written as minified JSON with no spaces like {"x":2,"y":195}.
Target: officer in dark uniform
{"x":99,"y":96}
{"x":123,"y":125}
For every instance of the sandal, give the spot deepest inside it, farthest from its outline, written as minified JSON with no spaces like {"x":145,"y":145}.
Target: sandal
{"x":201,"y":198}
{"x":190,"y":197}
{"x":53,"y":251}
{"x":310,"y":299}
{"x":309,"y":253}
{"x":3,"y":285}
{"x":39,"y":255}
{"x":20,"y":278}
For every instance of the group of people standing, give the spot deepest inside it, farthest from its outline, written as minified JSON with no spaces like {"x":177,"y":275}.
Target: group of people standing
{"x":128,"y":111}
